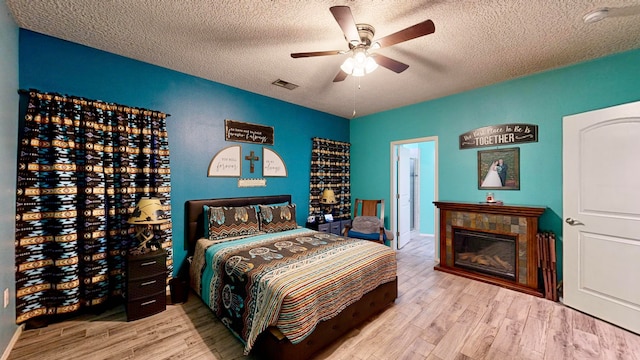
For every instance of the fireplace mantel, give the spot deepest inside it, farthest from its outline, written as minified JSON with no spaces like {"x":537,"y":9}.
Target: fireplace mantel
{"x":520,"y":221}
{"x":488,"y":208}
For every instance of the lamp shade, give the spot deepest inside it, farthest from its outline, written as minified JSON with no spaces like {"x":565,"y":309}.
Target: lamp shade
{"x":148,"y":212}
{"x":328,"y":197}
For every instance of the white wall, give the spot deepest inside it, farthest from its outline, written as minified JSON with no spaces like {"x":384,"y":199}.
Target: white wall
{"x":8,"y":155}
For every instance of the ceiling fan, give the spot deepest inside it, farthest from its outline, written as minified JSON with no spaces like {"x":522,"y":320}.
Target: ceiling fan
{"x":360,"y":40}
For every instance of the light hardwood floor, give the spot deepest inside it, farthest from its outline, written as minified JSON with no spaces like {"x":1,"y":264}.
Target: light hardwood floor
{"x":436,"y":316}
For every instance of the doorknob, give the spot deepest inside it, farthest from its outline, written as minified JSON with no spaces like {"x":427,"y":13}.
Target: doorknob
{"x":572,"y":222}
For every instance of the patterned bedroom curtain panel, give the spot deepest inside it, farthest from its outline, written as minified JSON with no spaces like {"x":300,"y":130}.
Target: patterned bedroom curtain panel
{"x":331,"y":169}
{"x":82,"y":167}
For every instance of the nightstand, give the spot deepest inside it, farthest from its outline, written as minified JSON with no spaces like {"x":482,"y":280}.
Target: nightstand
{"x":333,"y":227}
{"x":146,"y":284}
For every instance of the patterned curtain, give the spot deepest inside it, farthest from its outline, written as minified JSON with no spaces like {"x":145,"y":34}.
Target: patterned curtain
{"x":331,"y":168}
{"x":82,"y":167}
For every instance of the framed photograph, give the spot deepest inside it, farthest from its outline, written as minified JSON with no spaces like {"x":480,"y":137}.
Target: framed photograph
{"x":499,"y":169}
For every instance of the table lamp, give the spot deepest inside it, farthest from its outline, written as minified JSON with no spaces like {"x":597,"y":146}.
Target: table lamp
{"x":328,"y":199}
{"x":148,"y":212}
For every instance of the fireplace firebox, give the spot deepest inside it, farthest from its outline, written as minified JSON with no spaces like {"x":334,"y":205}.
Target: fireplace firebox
{"x":485,"y":252}
{"x":491,"y":243}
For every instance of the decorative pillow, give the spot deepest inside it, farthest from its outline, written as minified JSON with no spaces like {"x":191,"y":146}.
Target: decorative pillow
{"x":277,"y":218}
{"x":205,"y":212}
{"x":224,"y":222}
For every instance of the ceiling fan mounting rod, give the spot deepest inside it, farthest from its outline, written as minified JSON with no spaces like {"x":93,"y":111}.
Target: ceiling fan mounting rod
{"x":366,"y":32}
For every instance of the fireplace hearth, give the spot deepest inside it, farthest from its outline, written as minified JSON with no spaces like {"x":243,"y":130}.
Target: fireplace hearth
{"x":491,"y":243}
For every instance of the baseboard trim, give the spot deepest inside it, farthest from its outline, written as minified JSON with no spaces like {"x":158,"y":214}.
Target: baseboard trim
{"x":14,"y":339}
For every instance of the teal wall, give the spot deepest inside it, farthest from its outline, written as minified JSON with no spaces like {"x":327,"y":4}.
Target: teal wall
{"x":8,"y":158}
{"x":198,"y":109}
{"x":541,"y":99}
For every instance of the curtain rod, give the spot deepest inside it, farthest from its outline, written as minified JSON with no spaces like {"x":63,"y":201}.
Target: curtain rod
{"x":24,"y":92}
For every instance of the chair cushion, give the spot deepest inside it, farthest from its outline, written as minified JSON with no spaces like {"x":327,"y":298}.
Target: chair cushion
{"x":366,"y":224}
{"x":366,"y":236}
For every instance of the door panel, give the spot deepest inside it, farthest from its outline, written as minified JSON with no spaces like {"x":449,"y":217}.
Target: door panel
{"x":601,"y":207}
{"x":603,"y":177}
{"x":622,"y":256}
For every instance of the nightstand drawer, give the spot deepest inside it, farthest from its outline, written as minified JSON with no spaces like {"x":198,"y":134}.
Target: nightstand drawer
{"x":142,"y":287}
{"x":335,"y":227}
{"x":325,"y":227}
{"x":143,"y":307}
{"x":146,"y":265}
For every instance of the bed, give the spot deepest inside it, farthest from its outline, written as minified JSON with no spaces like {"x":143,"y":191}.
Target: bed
{"x":269,"y":330}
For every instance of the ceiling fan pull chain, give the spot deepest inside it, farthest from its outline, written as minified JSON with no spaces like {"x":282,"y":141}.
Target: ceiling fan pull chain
{"x":353,"y":115}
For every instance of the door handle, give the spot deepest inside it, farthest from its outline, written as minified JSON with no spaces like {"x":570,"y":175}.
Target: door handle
{"x":573,"y":222}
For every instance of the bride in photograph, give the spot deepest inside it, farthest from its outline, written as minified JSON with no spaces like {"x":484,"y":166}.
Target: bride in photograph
{"x":492,"y":179}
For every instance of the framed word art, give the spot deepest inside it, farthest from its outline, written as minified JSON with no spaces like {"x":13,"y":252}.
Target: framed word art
{"x":226,"y":162}
{"x":246,"y":132}
{"x":499,"y":135}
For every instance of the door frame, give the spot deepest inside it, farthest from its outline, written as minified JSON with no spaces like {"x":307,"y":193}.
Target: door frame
{"x":415,"y":155}
{"x":393,"y":217}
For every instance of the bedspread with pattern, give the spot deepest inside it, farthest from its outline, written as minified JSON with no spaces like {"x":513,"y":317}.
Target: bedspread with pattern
{"x":292,"y":279}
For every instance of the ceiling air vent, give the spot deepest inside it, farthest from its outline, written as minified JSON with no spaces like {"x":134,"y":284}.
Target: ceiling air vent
{"x":284,"y":84}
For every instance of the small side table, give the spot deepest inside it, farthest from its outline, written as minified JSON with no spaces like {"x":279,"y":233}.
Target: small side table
{"x":146,"y":284}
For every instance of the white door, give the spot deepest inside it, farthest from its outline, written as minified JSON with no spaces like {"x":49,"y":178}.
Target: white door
{"x":601,"y":210}
{"x":404,"y":197}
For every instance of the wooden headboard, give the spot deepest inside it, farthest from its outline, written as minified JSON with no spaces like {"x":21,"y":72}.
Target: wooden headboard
{"x":194,"y":219}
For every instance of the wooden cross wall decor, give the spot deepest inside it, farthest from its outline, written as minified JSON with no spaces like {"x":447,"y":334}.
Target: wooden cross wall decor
{"x":251,"y":157}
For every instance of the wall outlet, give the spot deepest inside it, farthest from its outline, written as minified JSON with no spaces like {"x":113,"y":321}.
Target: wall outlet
{"x":6,"y":297}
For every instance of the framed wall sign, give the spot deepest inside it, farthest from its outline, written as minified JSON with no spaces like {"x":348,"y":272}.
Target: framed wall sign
{"x":246,"y":132}
{"x":272,"y":164}
{"x":226,"y":162}
{"x":499,"y":135}
{"x":499,"y":169}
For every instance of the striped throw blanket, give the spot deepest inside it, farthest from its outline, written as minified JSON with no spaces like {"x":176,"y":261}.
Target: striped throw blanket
{"x":292,"y":280}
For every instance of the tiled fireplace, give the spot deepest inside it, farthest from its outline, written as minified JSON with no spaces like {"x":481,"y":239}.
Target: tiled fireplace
{"x":491,"y":243}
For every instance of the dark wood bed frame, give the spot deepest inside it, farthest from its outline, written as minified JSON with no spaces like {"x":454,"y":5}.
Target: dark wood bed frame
{"x":271,"y":344}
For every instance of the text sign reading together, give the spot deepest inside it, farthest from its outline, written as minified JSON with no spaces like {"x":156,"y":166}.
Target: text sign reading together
{"x":497,"y":135}
{"x":245,"y":132}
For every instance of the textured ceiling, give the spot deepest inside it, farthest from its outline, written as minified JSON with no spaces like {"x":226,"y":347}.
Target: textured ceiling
{"x":246,"y":43}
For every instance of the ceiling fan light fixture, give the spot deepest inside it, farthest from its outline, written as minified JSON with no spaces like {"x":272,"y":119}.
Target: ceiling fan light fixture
{"x":359,"y":64}
{"x":370,"y":65}
{"x":348,"y":65}
{"x":360,"y":57}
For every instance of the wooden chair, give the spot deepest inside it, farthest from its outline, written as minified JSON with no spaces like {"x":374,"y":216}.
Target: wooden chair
{"x":367,"y":208}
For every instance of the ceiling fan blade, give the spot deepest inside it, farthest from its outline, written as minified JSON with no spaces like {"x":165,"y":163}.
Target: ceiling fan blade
{"x":347,"y":24}
{"x":340,"y":77}
{"x":389,"y":63}
{"x":316,"y":53}
{"x":424,"y":28}
{"x":623,"y":11}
